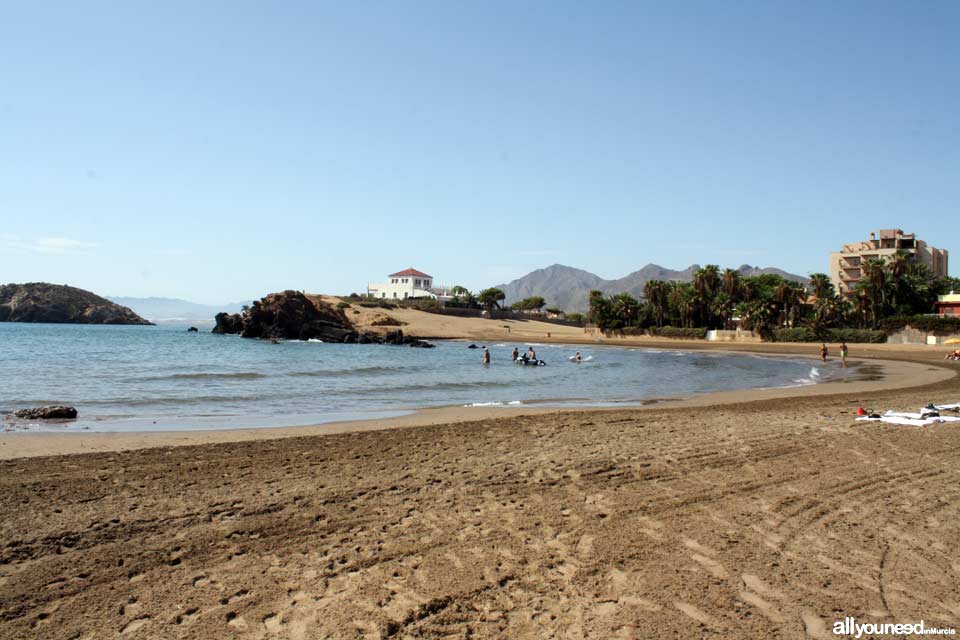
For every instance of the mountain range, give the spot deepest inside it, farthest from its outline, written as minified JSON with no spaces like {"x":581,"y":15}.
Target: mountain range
{"x":568,"y":288}
{"x":175,"y":311}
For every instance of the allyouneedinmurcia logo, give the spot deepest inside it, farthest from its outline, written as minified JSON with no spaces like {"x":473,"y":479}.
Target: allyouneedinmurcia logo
{"x":850,"y":627}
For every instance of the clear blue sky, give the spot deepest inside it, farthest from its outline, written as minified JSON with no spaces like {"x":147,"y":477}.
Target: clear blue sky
{"x":217,"y":151}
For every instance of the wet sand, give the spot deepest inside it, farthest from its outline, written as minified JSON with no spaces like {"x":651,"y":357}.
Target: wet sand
{"x":769,"y":514}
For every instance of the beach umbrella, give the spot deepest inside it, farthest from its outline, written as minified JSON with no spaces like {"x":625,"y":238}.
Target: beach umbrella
{"x":952,"y":341}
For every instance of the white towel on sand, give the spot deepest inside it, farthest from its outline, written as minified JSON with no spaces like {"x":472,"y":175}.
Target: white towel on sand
{"x":911,"y":422}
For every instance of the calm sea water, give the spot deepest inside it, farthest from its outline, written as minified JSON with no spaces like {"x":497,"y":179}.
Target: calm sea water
{"x":160,"y":378}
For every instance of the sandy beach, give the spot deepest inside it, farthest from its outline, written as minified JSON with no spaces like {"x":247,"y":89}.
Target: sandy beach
{"x":756,"y":514}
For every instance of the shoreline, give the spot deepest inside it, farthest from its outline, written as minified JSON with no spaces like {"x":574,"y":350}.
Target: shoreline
{"x":894,"y":374}
{"x":752,"y":514}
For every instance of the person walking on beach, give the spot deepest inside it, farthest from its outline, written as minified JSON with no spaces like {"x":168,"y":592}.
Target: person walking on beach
{"x":486,"y":357}
{"x":824,"y":352}
{"x":516,"y":354}
{"x":843,"y":354}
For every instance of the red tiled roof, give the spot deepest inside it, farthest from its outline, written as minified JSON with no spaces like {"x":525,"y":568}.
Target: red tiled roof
{"x":409,"y":272}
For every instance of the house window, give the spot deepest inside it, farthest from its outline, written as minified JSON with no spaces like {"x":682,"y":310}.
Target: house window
{"x":404,"y":295}
{"x":426,"y":283}
{"x":394,"y":294}
{"x":417,"y":283}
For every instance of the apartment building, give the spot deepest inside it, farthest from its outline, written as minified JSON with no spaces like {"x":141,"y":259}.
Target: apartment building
{"x":846,"y":265}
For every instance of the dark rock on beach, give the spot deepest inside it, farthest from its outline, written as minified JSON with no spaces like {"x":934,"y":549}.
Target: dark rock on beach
{"x":47,"y":413}
{"x":60,"y":304}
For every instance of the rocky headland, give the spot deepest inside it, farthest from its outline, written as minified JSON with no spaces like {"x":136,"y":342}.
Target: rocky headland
{"x":291,"y":315}
{"x":61,"y":304}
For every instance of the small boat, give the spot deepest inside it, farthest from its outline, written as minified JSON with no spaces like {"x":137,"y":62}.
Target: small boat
{"x":530,"y":362}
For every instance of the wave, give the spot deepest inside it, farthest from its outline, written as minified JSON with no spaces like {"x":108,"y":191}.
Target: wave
{"x":494,"y":404}
{"x":440,"y":386}
{"x":187,"y":400}
{"x":812,"y":378}
{"x":238,"y":375}
{"x":358,"y":371}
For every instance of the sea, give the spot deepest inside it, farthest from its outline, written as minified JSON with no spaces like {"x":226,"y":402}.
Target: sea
{"x":159,"y":378}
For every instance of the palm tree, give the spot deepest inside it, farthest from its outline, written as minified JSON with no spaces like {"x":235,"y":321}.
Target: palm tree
{"x":706,"y":283}
{"x":758,"y":315}
{"x":898,"y":267}
{"x":625,"y":309}
{"x":731,"y":282}
{"x":875,"y":283}
{"x":723,"y":307}
{"x":655,"y":291}
{"x":789,"y":296}
{"x":821,"y":285}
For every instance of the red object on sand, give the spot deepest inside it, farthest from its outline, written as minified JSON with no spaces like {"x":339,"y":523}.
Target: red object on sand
{"x":861,"y":412}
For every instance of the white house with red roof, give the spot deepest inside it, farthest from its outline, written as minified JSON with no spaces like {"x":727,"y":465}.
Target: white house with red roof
{"x":408,"y":283}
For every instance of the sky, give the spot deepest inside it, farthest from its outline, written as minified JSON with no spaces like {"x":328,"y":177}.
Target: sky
{"x":218,"y":151}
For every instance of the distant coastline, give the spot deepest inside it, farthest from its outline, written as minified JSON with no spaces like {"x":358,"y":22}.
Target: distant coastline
{"x":61,"y":304}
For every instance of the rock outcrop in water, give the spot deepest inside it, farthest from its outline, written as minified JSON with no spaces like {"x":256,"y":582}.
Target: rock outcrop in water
{"x":47,"y":413}
{"x":290,"y":315}
{"x":43,"y":302}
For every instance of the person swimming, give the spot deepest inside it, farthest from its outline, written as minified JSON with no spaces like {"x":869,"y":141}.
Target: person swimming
{"x":577,"y":357}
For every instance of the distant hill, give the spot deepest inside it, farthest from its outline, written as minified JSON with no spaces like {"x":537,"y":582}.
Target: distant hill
{"x":569,"y":289}
{"x":173,"y":311}
{"x":61,"y":304}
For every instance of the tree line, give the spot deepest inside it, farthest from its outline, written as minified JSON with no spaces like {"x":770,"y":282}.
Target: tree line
{"x":763,"y":303}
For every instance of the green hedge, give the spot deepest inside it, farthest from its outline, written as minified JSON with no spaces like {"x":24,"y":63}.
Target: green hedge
{"x":856,"y":335}
{"x":679,"y":332}
{"x":806,"y":334}
{"x":930,"y":324}
{"x":797,"y":334}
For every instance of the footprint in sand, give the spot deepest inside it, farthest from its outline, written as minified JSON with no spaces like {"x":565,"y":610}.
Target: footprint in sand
{"x":696,"y":614}
{"x":272,"y":623}
{"x":765,"y":608}
{"x":814,"y":625}
{"x":713,"y":567}
{"x":133,"y":625}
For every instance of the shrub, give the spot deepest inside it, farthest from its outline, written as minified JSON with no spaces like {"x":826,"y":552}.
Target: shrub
{"x":931,"y":324}
{"x":576,"y":318}
{"x":356,"y":312}
{"x":679,"y":332}
{"x":797,"y":334}
{"x":856,"y":335}
{"x":343,"y":305}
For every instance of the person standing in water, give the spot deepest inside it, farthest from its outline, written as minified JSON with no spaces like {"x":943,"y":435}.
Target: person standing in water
{"x":531,"y":354}
{"x":577,"y":357}
{"x":824,"y":352}
{"x":843,"y":354}
{"x":486,"y":357}
{"x":516,"y":354}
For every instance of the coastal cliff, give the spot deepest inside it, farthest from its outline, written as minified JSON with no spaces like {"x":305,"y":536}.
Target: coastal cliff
{"x":291,"y":315}
{"x":61,"y":304}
